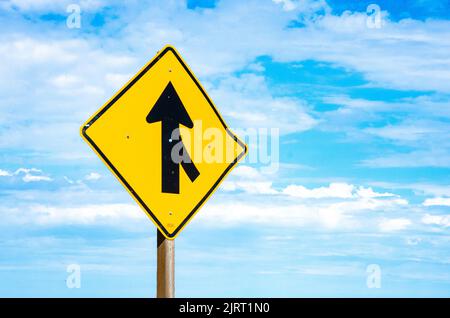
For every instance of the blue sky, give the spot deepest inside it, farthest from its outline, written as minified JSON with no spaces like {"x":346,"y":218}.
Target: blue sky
{"x":363,"y":115}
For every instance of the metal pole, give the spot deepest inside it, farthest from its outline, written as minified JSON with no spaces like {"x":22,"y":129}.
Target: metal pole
{"x":165,"y":271}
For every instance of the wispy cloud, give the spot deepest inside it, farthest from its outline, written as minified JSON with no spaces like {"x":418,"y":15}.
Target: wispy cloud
{"x":440,"y":220}
{"x":437,"y":201}
{"x":391,"y":225}
{"x":93,"y":214}
{"x":334,"y":190}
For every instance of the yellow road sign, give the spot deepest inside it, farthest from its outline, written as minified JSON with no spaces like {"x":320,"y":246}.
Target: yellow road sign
{"x":165,"y":141}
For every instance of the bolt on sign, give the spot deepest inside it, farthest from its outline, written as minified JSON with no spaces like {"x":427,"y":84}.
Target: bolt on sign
{"x":165,"y":141}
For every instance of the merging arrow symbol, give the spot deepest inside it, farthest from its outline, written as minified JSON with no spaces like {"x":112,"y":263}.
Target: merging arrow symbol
{"x":170,"y":111}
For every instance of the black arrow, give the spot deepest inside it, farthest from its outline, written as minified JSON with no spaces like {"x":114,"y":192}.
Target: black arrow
{"x":169,"y":110}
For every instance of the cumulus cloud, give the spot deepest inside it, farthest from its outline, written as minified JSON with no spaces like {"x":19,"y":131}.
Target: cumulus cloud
{"x":255,"y":181}
{"x":370,"y":193}
{"x":254,"y":187}
{"x":93,"y":176}
{"x":335,"y":206}
{"x":337,"y":214}
{"x":4,"y":173}
{"x":249,"y":179}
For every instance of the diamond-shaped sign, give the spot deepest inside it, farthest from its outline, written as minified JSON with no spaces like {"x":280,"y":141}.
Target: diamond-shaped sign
{"x":165,"y":141}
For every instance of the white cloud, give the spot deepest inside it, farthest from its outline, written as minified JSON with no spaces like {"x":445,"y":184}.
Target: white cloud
{"x":29,"y":51}
{"x":93,"y":214}
{"x":427,"y":189}
{"x":117,"y":80}
{"x":48,"y":5}
{"x":247,"y":172}
{"x":65,"y":81}
{"x":370,"y":193}
{"x":337,"y":214}
{"x":334,"y":190}
{"x":411,"y":132}
{"x":391,"y":56}
{"x":423,"y":133}
{"x":68,"y":180}
{"x":437,"y":201}
{"x":32,"y":175}
{"x":426,"y":108}
{"x":288,"y":5}
{"x":33,"y":178}
{"x":254,"y":187}
{"x":413,"y":241}
{"x":27,"y":170}
{"x":27,"y":4}
{"x":4,"y":173}
{"x":89,"y":214}
{"x":295,"y":215}
{"x":304,"y":6}
{"x":250,"y":180}
{"x":428,"y":141}
{"x":417,"y":158}
{"x":254,"y":181}
{"x":385,"y":56}
{"x":249,"y":103}
{"x":253,"y":208}
{"x":60,"y":71}
{"x":93,"y":176}
{"x":391,"y":225}
{"x":346,"y":270}
{"x":337,"y":206}
{"x":440,"y":220}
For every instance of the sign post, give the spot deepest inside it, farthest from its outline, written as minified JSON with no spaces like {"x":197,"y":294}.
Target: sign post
{"x":165,"y":269}
{"x":167,"y":144}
